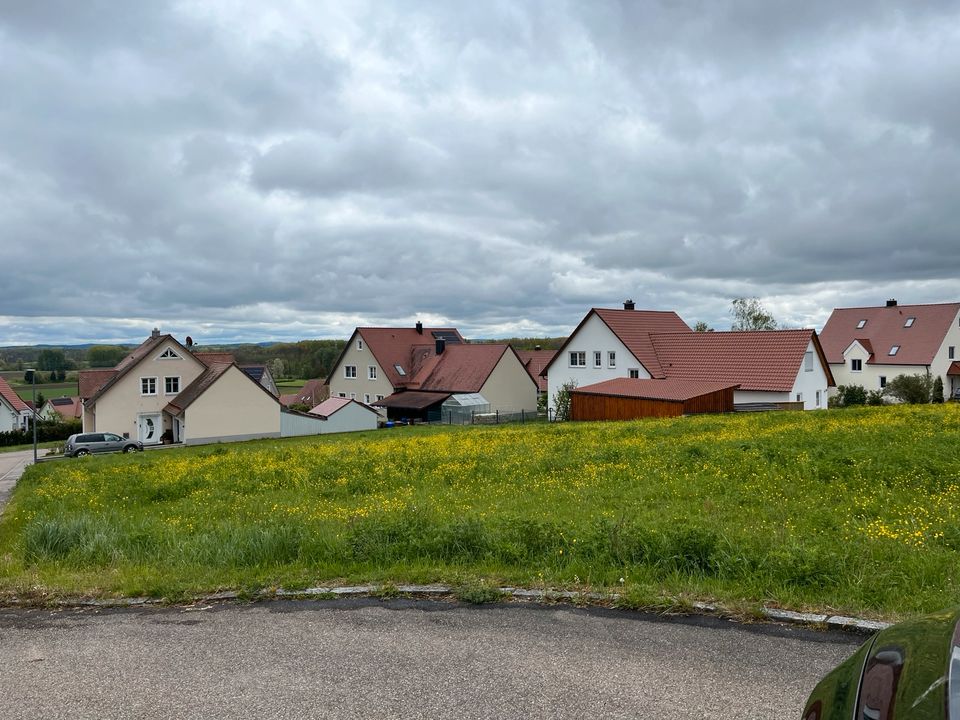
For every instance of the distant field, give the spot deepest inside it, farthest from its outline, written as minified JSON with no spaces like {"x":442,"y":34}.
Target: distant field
{"x":288,"y":387}
{"x":857,"y":511}
{"x":49,"y":390}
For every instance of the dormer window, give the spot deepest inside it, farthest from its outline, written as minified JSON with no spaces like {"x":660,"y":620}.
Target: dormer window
{"x":894,"y":350}
{"x":862,"y":324}
{"x":399,"y":370}
{"x":168,"y":354}
{"x":909,"y":322}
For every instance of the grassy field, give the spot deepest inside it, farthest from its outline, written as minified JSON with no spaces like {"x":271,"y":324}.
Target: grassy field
{"x":856,"y":511}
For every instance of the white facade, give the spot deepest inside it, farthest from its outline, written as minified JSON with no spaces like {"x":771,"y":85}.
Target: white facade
{"x":9,"y":418}
{"x":358,"y":375}
{"x":593,"y":337}
{"x":352,"y":417}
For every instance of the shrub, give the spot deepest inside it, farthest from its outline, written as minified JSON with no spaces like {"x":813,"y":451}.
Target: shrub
{"x":850,"y":395}
{"x":912,"y":389}
{"x":875,"y":397}
{"x":561,"y":401}
{"x":936,"y":395}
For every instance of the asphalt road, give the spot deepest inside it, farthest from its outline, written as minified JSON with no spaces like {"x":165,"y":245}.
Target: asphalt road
{"x":11,"y":467}
{"x":366,"y":658}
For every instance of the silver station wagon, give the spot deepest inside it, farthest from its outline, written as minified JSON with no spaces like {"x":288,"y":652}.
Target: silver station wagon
{"x":88,"y":443}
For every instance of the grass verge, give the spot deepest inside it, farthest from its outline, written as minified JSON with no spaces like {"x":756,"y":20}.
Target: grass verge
{"x":854,"y":511}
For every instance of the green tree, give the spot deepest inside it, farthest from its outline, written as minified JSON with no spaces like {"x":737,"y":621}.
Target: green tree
{"x":51,"y":359}
{"x":561,"y":401}
{"x":749,"y":314}
{"x":936,"y":395}
{"x":913,"y":389}
{"x":701,"y":326}
{"x":105,"y":356}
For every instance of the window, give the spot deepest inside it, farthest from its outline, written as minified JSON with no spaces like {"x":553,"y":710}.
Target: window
{"x":171,"y":385}
{"x":633,"y":372}
{"x":343,"y":395}
{"x":366,"y":398}
{"x":856,"y":365}
{"x":894,"y":350}
{"x":861,"y":324}
{"x":349,"y":371}
{"x":612,"y":359}
{"x":910,"y":321}
{"x":808,"y":361}
{"x":371,"y":372}
{"x":883,"y":381}
{"x":353,"y":396}
{"x":399,"y":370}
{"x":597,"y":358}
{"x":950,"y":352}
{"x":379,"y":397}
{"x":818,"y":398}
{"x":578,"y":358}
{"x":799,"y":397}
{"x":168,"y":354}
{"x":148,"y":386}
{"x":359,"y":344}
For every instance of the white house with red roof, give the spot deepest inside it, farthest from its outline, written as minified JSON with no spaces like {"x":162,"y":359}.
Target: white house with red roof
{"x":345,"y":415}
{"x":870,"y":346}
{"x":15,"y":414}
{"x":770,"y":366}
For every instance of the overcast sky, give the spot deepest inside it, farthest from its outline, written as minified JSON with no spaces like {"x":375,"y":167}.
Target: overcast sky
{"x":267,"y":171}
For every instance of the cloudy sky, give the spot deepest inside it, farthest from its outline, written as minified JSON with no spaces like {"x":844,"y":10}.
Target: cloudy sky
{"x":258,"y":171}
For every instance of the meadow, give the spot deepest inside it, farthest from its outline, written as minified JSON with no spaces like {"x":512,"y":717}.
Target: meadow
{"x":856,"y":511}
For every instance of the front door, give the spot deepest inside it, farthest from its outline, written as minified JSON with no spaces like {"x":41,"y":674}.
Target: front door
{"x":149,"y":428}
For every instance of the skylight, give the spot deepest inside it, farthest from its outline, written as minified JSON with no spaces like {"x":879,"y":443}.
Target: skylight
{"x":399,"y":370}
{"x":894,"y":350}
{"x":909,"y":322}
{"x":861,"y":324}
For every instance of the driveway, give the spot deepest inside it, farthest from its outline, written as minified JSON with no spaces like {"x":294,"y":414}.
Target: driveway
{"x":11,"y":466}
{"x":403,"y":659}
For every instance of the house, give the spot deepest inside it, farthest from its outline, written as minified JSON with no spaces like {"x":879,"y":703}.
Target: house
{"x":376,"y":362}
{"x":62,"y":408}
{"x":772,"y":366}
{"x":536,"y":361}
{"x":163,"y":391}
{"x":259,"y":373}
{"x":311,"y":394}
{"x":870,"y":346}
{"x":15,"y":414}
{"x":345,"y":415}
{"x":463,"y":380}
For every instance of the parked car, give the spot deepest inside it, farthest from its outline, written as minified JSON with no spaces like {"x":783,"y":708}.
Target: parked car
{"x":909,"y":670}
{"x":87,"y":443}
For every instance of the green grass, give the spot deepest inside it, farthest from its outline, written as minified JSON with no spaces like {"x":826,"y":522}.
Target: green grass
{"x":49,"y":390}
{"x":853,"y":511}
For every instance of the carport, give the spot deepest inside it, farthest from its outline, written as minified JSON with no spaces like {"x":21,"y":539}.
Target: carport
{"x":632,"y":398}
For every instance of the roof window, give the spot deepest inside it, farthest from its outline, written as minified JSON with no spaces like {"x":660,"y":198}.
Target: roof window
{"x":894,"y":350}
{"x":861,"y":324}
{"x":909,"y":322}
{"x":399,"y":370}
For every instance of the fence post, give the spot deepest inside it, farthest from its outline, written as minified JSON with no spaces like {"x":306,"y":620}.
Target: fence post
{"x":471,"y":416}
{"x":523,"y":417}
{"x":498,"y":417}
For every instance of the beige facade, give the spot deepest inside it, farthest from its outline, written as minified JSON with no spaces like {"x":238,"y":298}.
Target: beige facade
{"x":133,"y":405}
{"x":234,"y":407}
{"x":362,"y":387}
{"x":509,"y":388}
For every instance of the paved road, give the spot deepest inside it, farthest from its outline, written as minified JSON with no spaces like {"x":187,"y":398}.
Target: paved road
{"x":365,"y":658}
{"x":11,"y":466}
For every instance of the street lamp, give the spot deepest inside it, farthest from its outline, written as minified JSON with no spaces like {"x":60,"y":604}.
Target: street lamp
{"x":33,"y":420}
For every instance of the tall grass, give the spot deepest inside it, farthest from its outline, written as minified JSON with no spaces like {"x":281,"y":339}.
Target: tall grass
{"x":855,"y":510}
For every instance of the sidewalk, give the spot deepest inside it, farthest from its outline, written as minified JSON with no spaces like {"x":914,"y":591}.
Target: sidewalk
{"x":11,"y":467}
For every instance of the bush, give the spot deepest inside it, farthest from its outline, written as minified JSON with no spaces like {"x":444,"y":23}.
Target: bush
{"x":912,"y":389}
{"x":936,"y":395}
{"x":875,"y":397}
{"x":47,"y":431}
{"x":849,"y":395}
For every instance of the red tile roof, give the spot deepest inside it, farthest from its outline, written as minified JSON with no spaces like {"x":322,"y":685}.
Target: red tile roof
{"x":767,"y":360}
{"x":208,"y":358}
{"x":460,"y":369}
{"x":885,"y":327}
{"x":671,"y":389}
{"x":11,"y":397}
{"x":92,"y":380}
{"x":954,"y":368}
{"x":67,"y":407}
{"x":195,"y":389}
{"x":312,"y":393}
{"x":536,"y":361}
{"x":331,"y":405}
{"x":129,"y":362}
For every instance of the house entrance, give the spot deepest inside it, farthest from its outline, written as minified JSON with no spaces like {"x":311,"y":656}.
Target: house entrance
{"x":149,"y":428}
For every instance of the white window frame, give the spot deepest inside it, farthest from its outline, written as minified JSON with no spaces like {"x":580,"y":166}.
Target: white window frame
{"x":910,"y":321}
{"x":400,"y":370}
{"x":611,"y":358}
{"x":146,"y":382}
{"x":894,"y":349}
{"x":371,"y":372}
{"x":818,"y":398}
{"x":861,"y":325}
{"x":633,"y":373}
{"x":350,"y":372}
{"x":597,"y":359}
{"x":353,"y":396}
{"x":808,"y":361}
{"x":577,"y":358}
{"x":951,"y":351}
{"x":856,"y":365}
{"x":173,"y":355}
{"x":343,"y":395}
{"x":366,"y":398}
{"x":166,"y":380}
{"x":379,"y":398}
{"x":359,"y":343}
{"x":799,"y":397}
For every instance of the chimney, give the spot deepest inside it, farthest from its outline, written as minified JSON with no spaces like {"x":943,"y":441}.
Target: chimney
{"x":441,"y":346}
{"x":628,"y":305}
{"x":155,"y":333}
{"x":419,"y":327}
{"x":892,"y":302}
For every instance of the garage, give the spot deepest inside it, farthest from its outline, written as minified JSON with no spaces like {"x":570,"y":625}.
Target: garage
{"x":632,"y":398}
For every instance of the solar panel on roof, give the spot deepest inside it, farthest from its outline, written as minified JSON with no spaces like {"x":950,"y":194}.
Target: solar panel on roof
{"x":62,"y":401}
{"x":445,"y":335}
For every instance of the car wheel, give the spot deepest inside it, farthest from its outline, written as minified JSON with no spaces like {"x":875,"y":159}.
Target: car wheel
{"x":129,"y":448}
{"x":81,"y":453}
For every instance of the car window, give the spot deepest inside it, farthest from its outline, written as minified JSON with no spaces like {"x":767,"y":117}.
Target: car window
{"x":110,"y":437}
{"x":82,"y":438}
{"x":95,"y":437}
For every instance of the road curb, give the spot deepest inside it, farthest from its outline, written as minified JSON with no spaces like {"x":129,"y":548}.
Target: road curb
{"x":834,"y":622}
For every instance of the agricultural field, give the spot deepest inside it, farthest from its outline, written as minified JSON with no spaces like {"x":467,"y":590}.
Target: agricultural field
{"x":856,"y":511}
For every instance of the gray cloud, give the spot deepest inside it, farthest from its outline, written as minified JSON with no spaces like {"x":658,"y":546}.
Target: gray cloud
{"x":245,"y":172}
